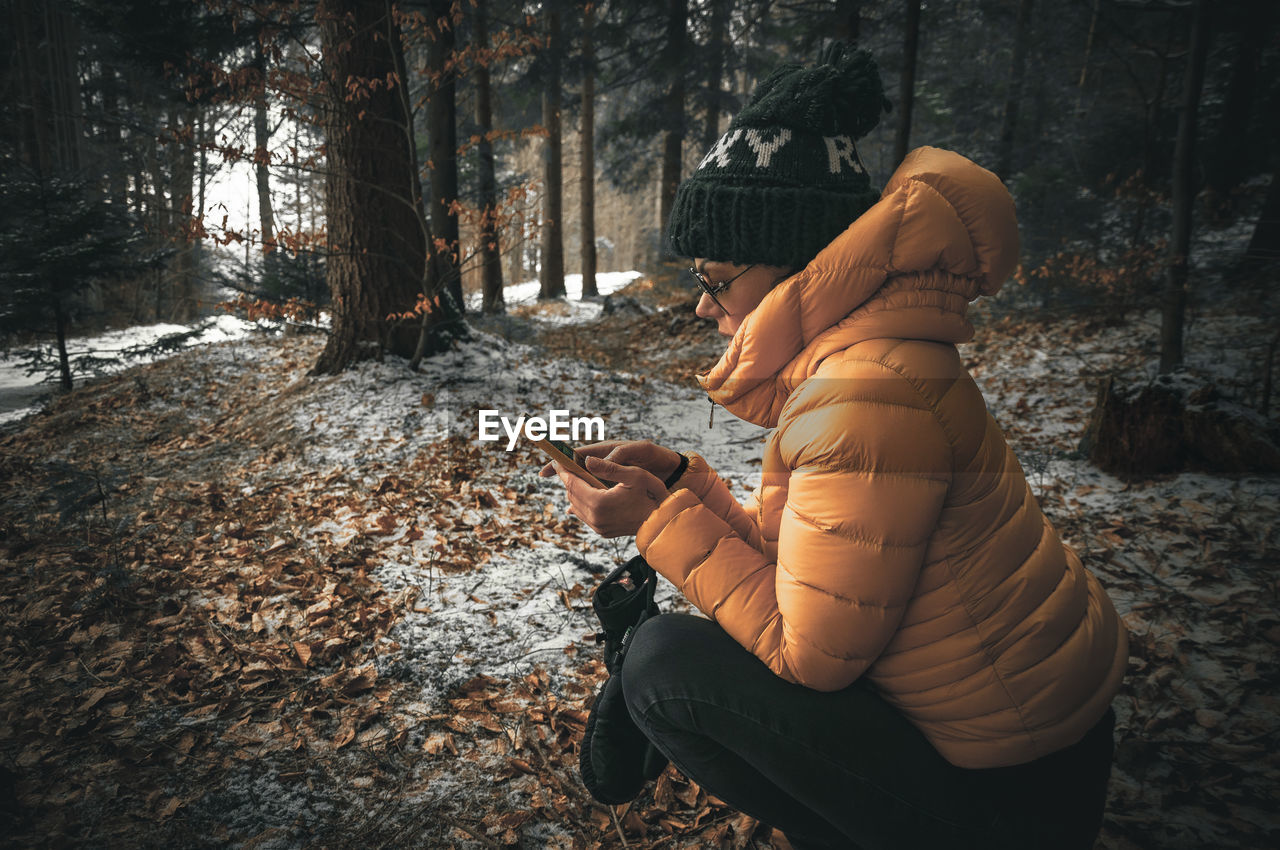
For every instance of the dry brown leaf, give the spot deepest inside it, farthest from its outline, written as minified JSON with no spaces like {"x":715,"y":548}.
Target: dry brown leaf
{"x":346,"y":734}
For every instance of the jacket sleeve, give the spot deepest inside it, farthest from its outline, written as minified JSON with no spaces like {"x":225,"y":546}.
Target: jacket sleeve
{"x":711,"y":491}
{"x":870,"y":465}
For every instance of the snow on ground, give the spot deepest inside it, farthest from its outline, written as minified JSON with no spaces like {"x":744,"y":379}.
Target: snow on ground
{"x":572,"y":309}
{"x":524,"y":607}
{"x":1149,"y":542}
{"x":21,"y":388}
{"x":374,"y":418}
{"x":1183,"y":559}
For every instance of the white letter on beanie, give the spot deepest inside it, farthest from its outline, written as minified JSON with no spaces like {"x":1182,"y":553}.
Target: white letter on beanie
{"x":841,"y":148}
{"x":765,"y":150}
{"x":720,"y":150}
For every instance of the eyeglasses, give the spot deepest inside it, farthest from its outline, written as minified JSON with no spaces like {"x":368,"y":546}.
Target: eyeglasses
{"x":714,"y":289}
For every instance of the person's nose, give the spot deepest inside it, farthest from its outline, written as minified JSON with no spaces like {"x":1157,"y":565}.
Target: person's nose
{"x":707,"y":308}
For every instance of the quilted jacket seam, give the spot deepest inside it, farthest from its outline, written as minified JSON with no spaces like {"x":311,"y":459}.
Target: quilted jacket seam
{"x":857,"y":603}
{"x":986,"y":651}
{"x":856,"y":538}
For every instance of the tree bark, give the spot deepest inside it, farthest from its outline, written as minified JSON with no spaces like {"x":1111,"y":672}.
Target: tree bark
{"x":60,"y":331}
{"x":183,"y":305}
{"x":376,"y":246}
{"x":716,"y":37}
{"x":1013,"y":97}
{"x":515,"y":251}
{"x":440,"y":325}
{"x":673,"y":61}
{"x":50,"y":135}
{"x":202,"y":186}
{"x":1171,"y":425}
{"x":1227,"y":168}
{"x":262,"y":157}
{"x":490,"y":255}
{"x":1265,"y":242}
{"x":1184,"y":194}
{"x":848,"y":25}
{"x":112,"y":138}
{"x":907,"y":89}
{"x":551,"y":276}
{"x":1150,"y":125}
{"x":1088,"y":57}
{"x":587,"y":176}
{"x":442,"y":135}
{"x":158,"y":214}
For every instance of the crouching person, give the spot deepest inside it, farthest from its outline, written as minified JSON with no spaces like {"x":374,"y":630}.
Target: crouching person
{"x":898,"y":650}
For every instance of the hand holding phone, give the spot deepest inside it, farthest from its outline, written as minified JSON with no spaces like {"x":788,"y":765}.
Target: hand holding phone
{"x":564,"y":454}
{"x":646,"y":454}
{"x":616,"y":508}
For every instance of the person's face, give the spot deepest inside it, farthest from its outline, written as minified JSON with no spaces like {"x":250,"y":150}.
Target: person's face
{"x":749,"y":286}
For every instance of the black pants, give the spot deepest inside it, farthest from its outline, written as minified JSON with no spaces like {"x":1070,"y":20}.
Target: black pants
{"x":844,"y":769}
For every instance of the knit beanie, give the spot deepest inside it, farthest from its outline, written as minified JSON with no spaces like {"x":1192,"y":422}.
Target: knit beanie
{"x":786,"y":178}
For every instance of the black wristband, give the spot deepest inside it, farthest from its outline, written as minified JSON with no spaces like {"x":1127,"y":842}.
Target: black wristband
{"x":675,"y":476}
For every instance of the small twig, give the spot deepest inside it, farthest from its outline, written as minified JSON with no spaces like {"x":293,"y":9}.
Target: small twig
{"x":618,"y":826}
{"x":90,"y":672}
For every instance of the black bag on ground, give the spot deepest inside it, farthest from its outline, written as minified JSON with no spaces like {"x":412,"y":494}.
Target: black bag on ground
{"x":616,"y":758}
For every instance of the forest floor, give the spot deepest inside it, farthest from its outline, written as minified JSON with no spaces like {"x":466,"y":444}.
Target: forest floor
{"x":244,"y":606}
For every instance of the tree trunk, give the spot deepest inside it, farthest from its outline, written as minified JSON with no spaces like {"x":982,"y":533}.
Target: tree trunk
{"x":375,"y":242}
{"x":1171,"y":425}
{"x":202,"y":186}
{"x":183,"y":304}
{"x":140,"y":152}
{"x":675,"y":56}
{"x":1013,"y":97}
{"x":262,"y":158}
{"x":848,"y":25}
{"x":112,"y":140}
{"x":551,"y":276}
{"x":1088,"y":57}
{"x":1265,"y":242}
{"x":716,"y":38}
{"x":60,"y":330}
{"x":587,"y":177}
{"x":907,"y":90}
{"x":298,"y":179}
{"x":1151,"y":122}
{"x":515,"y":251}
{"x":1228,"y":166}
{"x":48,"y":88}
{"x":1184,"y":194}
{"x":159,"y":211}
{"x":442,"y":135}
{"x":490,"y":255}
{"x":439,"y":326}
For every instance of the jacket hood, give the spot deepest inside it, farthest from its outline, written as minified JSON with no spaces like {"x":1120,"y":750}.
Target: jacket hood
{"x":943,"y":232}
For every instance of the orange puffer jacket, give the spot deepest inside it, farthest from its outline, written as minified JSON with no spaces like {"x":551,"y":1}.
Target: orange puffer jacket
{"x":893,"y":533}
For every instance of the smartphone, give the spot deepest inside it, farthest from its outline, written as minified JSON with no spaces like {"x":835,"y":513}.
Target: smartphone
{"x":563,"y":454}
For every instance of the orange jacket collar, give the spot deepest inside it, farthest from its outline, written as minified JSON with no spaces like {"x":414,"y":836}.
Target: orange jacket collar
{"x":943,"y":233}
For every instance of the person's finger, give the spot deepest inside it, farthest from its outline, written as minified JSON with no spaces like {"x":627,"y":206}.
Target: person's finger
{"x":627,"y":455}
{"x":640,"y":480}
{"x":575,"y":488}
{"x":547,"y":471}
{"x":604,"y":468}
{"x":600,"y":449}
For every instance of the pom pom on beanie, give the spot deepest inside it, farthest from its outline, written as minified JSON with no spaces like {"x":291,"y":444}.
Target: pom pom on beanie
{"x":841,"y":95}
